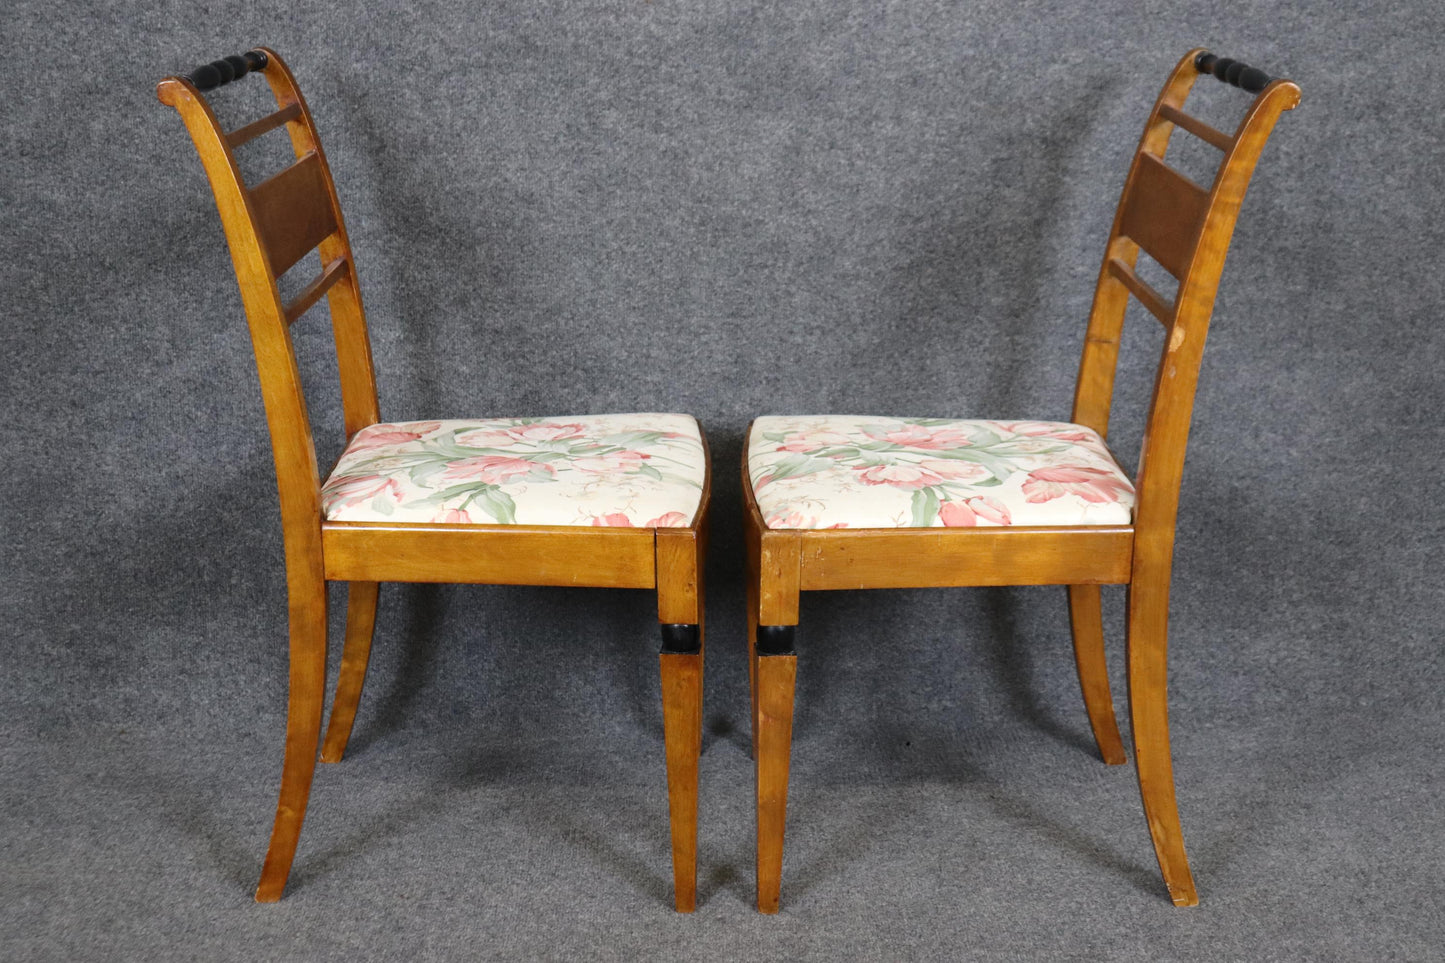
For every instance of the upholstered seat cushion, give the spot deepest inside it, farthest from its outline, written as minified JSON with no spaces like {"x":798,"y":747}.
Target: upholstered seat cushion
{"x":851,"y":471}
{"x":632,"y":470}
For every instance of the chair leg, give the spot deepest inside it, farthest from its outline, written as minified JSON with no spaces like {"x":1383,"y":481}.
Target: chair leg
{"x":680,"y":583}
{"x":681,"y":665}
{"x":776,"y":670}
{"x":752,"y":580}
{"x":1087,"y":618}
{"x":355,"y":654}
{"x":303,"y":730}
{"x":1149,"y":712}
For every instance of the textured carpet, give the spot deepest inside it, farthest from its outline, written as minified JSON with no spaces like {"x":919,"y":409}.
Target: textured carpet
{"x":727,"y":209}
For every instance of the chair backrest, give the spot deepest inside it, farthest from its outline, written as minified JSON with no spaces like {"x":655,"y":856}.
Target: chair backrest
{"x":270,"y":228}
{"x":1186,"y":229}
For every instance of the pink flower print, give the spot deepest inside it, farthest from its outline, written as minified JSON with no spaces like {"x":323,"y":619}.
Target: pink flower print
{"x":805,"y":441}
{"x":1093,"y":485}
{"x":917,"y":436}
{"x":384,"y":436}
{"x":900,"y":475}
{"x":348,"y":491}
{"x":954,"y":470}
{"x":965,"y":514}
{"x":453,"y":516}
{"x":616,"y":463}
{"x":545,"y":431}
{"x":668,"y":520}
{"x":614,"y":520}
{"x":1046,"y":429}
{"x":790,"y":520}
{"x":493,"y":469}
{"x":485,"y":438}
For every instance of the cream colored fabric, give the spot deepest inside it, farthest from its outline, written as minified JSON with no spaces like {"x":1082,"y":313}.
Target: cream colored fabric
{"x":859,"y":471}
{"x":631,"y":470}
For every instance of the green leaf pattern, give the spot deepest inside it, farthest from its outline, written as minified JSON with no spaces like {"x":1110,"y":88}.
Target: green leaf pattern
{"x":846,"y":471}
{"x":627,"y":470}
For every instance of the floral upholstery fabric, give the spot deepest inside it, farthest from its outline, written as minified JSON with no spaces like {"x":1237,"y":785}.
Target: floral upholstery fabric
{"x":633,"y":470}
{"x":848,"y":471}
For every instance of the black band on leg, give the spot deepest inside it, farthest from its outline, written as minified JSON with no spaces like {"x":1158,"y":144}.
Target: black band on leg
{"x":776,"y":640}
{"x":680,"y":638}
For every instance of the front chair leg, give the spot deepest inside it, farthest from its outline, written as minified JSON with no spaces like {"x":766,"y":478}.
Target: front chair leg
{"x":355,"y":653}
{"x":752,"y":592}
{"x":681,"y":665}
{"x":1149,"y":711}
{"x":303,"y":730}
{"x":776,"y":670}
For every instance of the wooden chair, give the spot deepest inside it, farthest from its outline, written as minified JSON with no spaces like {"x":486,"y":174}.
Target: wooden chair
{"x":845,"y":503}
{"x":616,"y":501}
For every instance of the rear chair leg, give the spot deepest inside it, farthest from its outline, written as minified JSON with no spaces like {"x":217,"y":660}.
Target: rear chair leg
{"x":681,"y":666}
{"x":303,"y":730}
{"x":1149,"y":713}
{"x":776,"y":669}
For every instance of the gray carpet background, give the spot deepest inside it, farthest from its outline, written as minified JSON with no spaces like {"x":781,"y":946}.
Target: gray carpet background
{"x":727,"y":209}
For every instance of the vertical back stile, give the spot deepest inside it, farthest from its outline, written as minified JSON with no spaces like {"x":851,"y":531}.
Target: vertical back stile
{"x":1166,"y":433}
{"x":348,"y":318}
{"x":269,"y":228}
{"x":293,"y":449}
{"x":1094,"y":392}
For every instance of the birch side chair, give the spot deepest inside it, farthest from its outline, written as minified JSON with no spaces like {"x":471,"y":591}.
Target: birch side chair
{"x":615,"y":501}
{"x":845,"y":502}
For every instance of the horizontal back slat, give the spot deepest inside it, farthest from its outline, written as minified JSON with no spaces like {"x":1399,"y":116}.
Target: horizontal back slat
{"x":313,"y":292}
{"x":244,"y":135}
{"x":1163,"y":213}
{"x":1159,"y":306}
{"x":1205,"y":132}
{"x":293,"y":212}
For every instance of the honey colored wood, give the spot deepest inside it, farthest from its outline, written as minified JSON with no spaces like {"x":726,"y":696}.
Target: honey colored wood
{"x":1094,"y":390}
{"x":248,"y":133}
{"x":1205,"y":132}
{"x":297,"y":479}
{"x":1160,"y":475}
{"x":293,"y":215}
{"x":778,"y":557}
{"x":752,"y":551}
{"x":1163,"y":212}
{"x":678,"y":565}
{"x":776,"y":675}
{"x":681,"y":555}
{"x":348,"y":318}
{"x":490,"y":554}
{"x":355,"y":654}
{"x":677,"y":576}
{"x":1086,"y":618}
{"x":1144,"y":292}
{"x":269,"y":228}
{"x":312,"y":293}
{"x":1186,"y":229}
{"x":779,"y":561}
{"x":682,"y":730}
{"x":934,"y":557}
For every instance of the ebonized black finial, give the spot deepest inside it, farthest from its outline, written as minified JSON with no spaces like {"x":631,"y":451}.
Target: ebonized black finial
{"x":227,"y":69}
{"x":1232,"y":72}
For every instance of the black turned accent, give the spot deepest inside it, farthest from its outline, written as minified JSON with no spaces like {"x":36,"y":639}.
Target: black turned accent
{"x":680,"y":638}
{"x":776,"y":640}
{"x":227,"y":69}
{"x":1232,"y":72}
